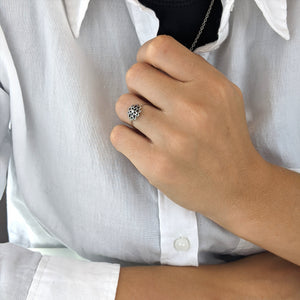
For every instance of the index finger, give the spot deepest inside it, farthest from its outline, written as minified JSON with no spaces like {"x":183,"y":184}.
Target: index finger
{"x":171,"y":57}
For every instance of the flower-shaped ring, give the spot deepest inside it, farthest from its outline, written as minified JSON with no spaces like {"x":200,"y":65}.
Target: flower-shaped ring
{"x":134,"y":111}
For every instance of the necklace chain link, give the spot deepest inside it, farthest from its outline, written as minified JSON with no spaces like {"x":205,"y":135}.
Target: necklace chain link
{"x":202,"y":25}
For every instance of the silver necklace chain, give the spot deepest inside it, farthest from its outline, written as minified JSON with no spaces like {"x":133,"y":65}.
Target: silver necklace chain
{"x":202,"y":25}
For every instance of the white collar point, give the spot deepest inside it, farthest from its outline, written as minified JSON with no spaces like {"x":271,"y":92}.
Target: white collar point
{"x":76,"y":10}
{"x":275,"y":12}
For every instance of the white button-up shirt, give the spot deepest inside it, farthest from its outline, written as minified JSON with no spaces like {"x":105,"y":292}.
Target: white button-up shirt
{"x":62,"y":68}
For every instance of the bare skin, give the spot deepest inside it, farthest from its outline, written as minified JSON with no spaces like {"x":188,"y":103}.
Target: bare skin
{"x":261,"y":276}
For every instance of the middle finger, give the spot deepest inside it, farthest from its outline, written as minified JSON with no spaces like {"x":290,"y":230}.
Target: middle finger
{"x":152,"y":84}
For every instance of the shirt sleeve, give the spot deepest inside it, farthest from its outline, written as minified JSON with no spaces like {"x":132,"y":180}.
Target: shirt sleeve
{"x":5,"y":138}
{"x":17,"y":268}
{"x":27,"y":275}
{"x":64,"y":278}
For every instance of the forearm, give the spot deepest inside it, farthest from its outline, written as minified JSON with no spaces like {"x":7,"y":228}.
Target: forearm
{"x":262,"y":276}
{"x":162,"y":282}
{"x":268,"y":211}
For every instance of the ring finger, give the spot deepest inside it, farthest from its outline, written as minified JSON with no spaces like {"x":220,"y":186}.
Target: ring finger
{"x":150,"y":122}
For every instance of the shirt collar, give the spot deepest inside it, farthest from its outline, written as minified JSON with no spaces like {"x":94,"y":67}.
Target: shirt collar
{"x":274,"y":11}
{"x":76,"y":10}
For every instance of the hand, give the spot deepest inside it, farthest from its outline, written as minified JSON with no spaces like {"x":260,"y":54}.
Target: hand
{"x":195,"y":145}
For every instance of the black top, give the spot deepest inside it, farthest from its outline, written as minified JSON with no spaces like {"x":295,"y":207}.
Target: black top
{"x":182,"y":19}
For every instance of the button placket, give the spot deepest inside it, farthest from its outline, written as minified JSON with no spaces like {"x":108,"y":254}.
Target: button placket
{"x":179,"y":239}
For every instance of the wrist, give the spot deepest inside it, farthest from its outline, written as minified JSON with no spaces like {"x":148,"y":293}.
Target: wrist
{"x":243,"y":203}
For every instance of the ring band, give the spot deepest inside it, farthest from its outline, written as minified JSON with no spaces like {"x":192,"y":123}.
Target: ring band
{"x":134,"y":111}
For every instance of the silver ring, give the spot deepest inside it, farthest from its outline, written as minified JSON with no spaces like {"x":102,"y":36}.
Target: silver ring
{"x":134,"y":111}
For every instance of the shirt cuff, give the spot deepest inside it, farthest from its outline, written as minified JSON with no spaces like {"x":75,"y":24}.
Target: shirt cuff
{"x":62,"y":278}
{"x":17,"y":268}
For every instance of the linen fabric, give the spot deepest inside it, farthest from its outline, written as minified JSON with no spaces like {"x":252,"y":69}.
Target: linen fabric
{"x":62,"y":68}
{"x":17,"y":269}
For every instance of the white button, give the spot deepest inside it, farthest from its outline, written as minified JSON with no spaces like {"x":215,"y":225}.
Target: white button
{"x":182,"y":244}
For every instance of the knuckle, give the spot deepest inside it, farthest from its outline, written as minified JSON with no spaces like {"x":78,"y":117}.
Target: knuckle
{"x":122,"y":101}
{"x":237,"y":91}
{"x":223,"y":89}
{"x":116,"y":135}
{"x":124,"y":97}
{"x":134,"y":72}
{"x":227,"y":89}
{"x":226,"y":92}
{"x":160,"y":44}
{"x":220,"y":94}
